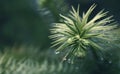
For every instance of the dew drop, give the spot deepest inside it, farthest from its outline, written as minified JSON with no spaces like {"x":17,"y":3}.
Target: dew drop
{"x":69,"y":40}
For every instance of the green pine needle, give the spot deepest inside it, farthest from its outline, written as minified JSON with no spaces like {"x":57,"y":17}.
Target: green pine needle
{"x":77,"y":35}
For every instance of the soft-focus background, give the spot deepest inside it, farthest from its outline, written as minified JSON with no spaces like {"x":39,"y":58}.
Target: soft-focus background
{"x":24,"y":31}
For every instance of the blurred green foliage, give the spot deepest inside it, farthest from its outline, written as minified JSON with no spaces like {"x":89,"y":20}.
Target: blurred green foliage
{"x":54,"y":6}
{"x":21,"y":23}
{"x":28,"y":21}
{"x":25,"y":59}
{"x":29,"y":62}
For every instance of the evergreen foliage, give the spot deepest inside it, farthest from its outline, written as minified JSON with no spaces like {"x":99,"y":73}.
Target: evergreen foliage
{"x":88,"y":44}
{"x":29,"y":62}
{"x":76,"y":36}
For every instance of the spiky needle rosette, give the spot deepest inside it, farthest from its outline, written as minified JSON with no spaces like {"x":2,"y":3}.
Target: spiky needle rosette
{"x":77,"y":34}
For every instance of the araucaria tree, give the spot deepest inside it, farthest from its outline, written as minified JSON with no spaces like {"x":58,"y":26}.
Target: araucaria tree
{"x":75,"y":35}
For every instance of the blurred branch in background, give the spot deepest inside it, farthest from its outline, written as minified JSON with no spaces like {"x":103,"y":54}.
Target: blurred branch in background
{"x":28,"y":21}
{"x":27,"y":60}
{"x":22,"y":23}
{"x":54,"y":6}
